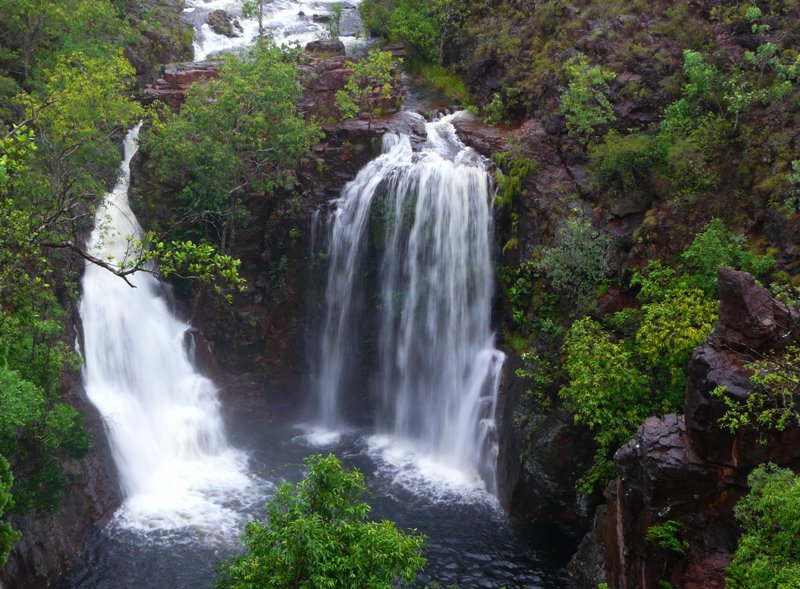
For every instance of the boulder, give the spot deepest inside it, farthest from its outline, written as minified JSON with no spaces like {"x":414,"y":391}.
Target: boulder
{"x":224,"y":24}
{"x":323,"y":74}
{"x":329,"y":46}
{"x":483,"y":138}
{"x":661,"y":478}
{"x":750,"y":319}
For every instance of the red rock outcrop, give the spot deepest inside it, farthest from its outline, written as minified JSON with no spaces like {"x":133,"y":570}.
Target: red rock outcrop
{"x":688,"y":469}
{"x":171,"y":87}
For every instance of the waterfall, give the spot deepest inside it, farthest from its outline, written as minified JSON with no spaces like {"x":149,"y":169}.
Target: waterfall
{"x":161,"y":415}
{"x":438,"y":370}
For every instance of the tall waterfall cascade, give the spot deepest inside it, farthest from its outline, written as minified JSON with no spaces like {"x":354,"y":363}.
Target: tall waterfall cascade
{"x":163,"y":418}
{"x":438,"y":369}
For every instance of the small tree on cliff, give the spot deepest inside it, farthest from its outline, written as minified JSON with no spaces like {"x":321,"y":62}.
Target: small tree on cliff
{"x":369,"y":87}
{"x":317,"y":536}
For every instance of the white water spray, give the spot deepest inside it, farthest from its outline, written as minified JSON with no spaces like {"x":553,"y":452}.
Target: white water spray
{"x":286,"y":21}
{"x":438,"y":368}
{"x":162,"y":417}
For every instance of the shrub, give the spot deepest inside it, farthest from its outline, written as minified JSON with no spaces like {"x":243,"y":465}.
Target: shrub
{"x":667,"y":536}
{"x":368,"y":87}
{"x":624,"y":163}
{"x":716,"y":246}
{"x":584,"y":102}
{"x":577,"y":261}
{"x":670,"y":329}
{"x":768,"y":554}
{"x":514,"y":171}
{"x":414,"y":26}
{"x":317,"y":536}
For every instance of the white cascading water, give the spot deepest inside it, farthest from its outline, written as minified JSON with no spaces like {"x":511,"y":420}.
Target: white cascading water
{"x":163,"y":418}
{"x":286,"y":21}
{"x":439,"y":370}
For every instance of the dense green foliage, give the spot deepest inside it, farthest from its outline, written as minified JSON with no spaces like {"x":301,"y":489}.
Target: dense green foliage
{"x":317,"y":535}
{"x":584,"y":102}
{"x":233,"y":135}
{"x":419,"y":25}
{"x":768,"y":554}
{"x":514,"y":170}
{"x":717,"y":246}
{"x":369,"y":87}
{"x":8,"y":536}
{"x":618,"y":377}
{"x":34,"y":33}
{"x":34,"y":431}
{"x":606,"y":392}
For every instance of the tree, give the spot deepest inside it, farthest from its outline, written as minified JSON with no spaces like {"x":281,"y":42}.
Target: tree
{"x":768,"y":554}
{"x":233,"y":135}
{"x":369,"y":87}
{"x":317,"y":536}
{"x":606,"y":392}
{"x":577,"y":261}
{"x":255,"y":8}
{"x":335,"y":20}
{"x":74,"y":117}
{"x":584,"y":102}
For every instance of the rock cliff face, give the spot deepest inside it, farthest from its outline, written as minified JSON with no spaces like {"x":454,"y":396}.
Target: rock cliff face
{"x":173,"y":83}
{"x":687,"y":469}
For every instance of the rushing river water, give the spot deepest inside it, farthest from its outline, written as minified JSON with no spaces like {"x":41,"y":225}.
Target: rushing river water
{"x":470,"y":543}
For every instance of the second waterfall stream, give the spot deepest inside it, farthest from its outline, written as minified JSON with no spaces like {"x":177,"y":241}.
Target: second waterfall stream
{"x":163,"y":418}
{"x":437,"y":369}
